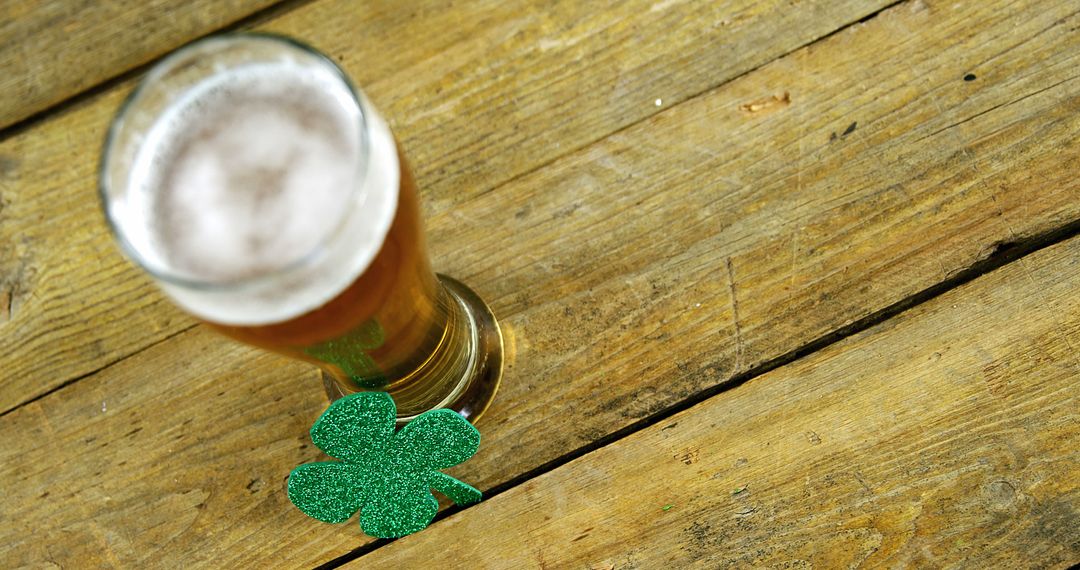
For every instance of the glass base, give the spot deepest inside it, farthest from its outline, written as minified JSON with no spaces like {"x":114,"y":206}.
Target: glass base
{"x":473,"y":393}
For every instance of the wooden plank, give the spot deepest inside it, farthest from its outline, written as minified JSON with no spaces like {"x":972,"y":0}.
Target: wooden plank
{"x":51,"y":50}
{"x":446,"y":73}
{"x":177,"y":468}
{"x":882,"y":215}
{"x":944,"y":437}
{"x":707,"y":241}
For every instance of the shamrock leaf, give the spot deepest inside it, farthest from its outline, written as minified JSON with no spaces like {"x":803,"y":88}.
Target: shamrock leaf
{"x":386,"y":476}
{"x":349,"y":353}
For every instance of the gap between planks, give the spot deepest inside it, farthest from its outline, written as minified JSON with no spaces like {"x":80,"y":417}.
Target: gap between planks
{"x":280,"y":8}
{"x":110,"y":364}
{"x":1003,"y":254}
{"x":255,"y":18}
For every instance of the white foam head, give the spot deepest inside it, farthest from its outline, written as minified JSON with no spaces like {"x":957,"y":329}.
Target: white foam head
{"x":264,"y":190}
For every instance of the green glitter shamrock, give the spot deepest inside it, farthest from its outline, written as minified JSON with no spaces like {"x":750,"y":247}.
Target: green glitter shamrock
{"x":387,"y":476}
{"x":349,"y":352}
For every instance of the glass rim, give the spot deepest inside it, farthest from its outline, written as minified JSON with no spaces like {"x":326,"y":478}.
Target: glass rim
{"x":161,"y":67}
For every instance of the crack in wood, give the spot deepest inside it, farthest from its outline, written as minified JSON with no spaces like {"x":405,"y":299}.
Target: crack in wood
{"x":999,"y":258}
{"x":67,"y":383}
{"x":268,"y":13}
{"x":735,"y":319}
{"x":996,"y":107}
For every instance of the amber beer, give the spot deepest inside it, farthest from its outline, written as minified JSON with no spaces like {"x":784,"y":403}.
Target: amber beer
{"x":393,"y":328}
{"x":270,"y":200}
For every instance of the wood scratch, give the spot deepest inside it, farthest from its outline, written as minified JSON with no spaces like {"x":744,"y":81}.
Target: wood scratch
{"x":735,"y":318}
{"x":6,"y":299}
{"x":798,"y":179}
{"x":994,"y":108}
{"x":746,"y":511}
{"x":862,"y":481}
{"x":1005,"y":222}
{"x":663,"y":5}
{"x":1042,"y":296}
{"x":794,"y":255}
{"x":769,"y":103}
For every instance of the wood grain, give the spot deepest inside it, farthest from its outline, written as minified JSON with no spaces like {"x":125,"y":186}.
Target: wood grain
{"x":53,"y":49}
{"x":944,"y":437}
{"x":454,"y":78}
{"x":177,"y":459}
{"x":613,"y":269}
{"x":705,"y":242}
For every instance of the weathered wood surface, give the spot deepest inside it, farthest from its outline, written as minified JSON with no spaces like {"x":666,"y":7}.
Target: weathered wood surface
{"x":706,"y":241}
{"x":478,"y":93}
{"x":613,"y":269}
{"x":181,"y":467}
{"x":944,"y":437}
{"x":51,"y":50}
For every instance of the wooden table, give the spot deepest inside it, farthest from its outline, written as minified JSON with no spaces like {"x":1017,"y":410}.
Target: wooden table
{"x":784,"y":284}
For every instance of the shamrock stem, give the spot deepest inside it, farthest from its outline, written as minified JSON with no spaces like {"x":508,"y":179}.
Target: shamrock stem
{"x":460,"y":493}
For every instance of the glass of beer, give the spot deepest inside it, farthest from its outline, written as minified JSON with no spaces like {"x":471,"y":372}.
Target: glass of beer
{"x":266,"y":196}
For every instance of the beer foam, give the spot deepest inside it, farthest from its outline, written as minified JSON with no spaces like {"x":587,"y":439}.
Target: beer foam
{"x":267,"y":189}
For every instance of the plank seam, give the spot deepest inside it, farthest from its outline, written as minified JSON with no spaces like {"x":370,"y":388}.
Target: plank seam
{"x":1003,"y":253}
{"x":688,"y":99}
{"x":270,"y":12}
{"x":996,"y":107}
{"x":71,"y":381}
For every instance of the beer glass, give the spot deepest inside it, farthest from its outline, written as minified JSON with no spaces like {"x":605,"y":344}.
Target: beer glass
{"x":266,"y":196}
